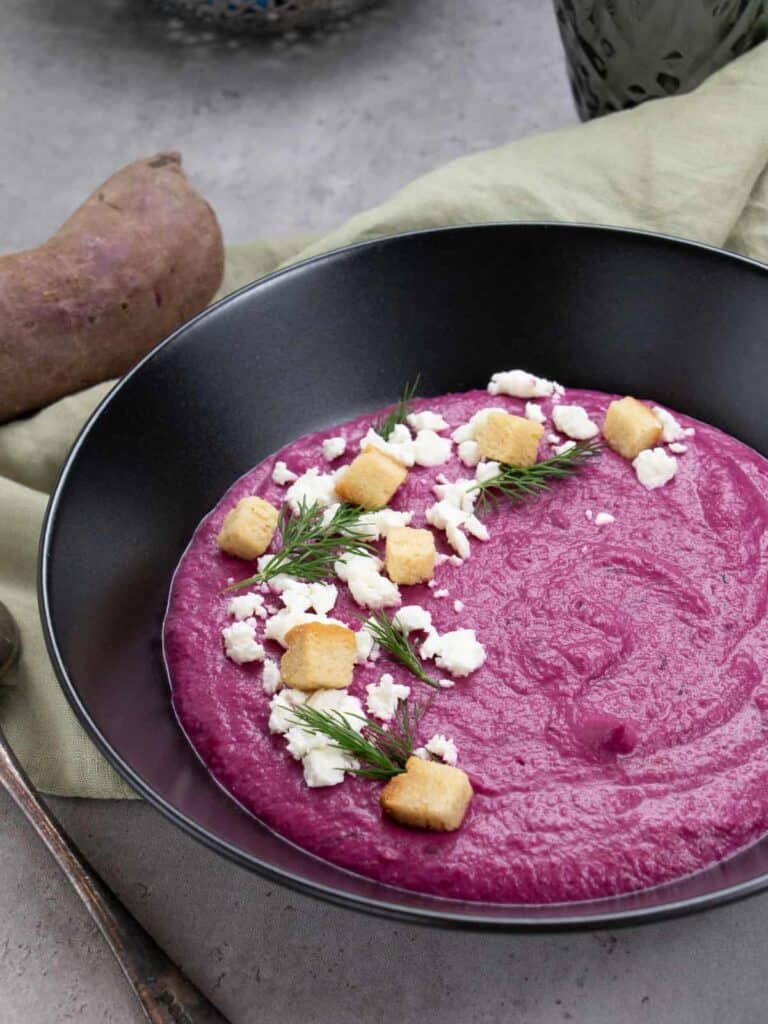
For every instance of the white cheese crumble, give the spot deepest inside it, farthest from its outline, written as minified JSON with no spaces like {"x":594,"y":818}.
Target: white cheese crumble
{"x":399,"y":445}
{"x":439,"y":594}
{"x":604,"y":519}
{"x":458,"y":605}
{"x":671,"y":429}
{"x":566,"y":446}
{"x":312,"y":486}
{"x":281,"y":475}
{"x":446,"y":684}
{"x":240,"y":643}
{"x":574,"y":421}
{"x":443,"y":747}
{"x":281,"y":707}
{"x":374,"y":525}
{"x":427,"y":420}
{"x":520,"y":384}
{"x":469,"y":453}
{"x":429,"y":449}
{"x":552,"y":439}
{"x":325,"y":766}
{"x":412,"y":617}
{"x":383,"y":697}
{"x":245,"y":606}
{"x":458,"y":651}
{"x":368,"y":587}
{"x":677,"y":448}
{"x":333,"y":448}
{"x":300,"y":596}
{"x":487,"y":471}
{"x":535,"y":413}
{"x":366,"y":647}
{"x":270,"y":677}
{"x":654,"y":467}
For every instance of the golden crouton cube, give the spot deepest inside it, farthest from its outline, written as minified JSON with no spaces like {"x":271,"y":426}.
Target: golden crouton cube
{"x":630,"y":427}
{"x":513,"y":440}
{"x":410,"y":555}
{"x":371,"y":479}
{"x":428,"y":795}
{"x":320,"y":656}
{"x":248,"y":528}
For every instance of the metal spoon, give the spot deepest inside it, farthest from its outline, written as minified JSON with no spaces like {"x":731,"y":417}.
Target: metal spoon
{"x":164,"y":992}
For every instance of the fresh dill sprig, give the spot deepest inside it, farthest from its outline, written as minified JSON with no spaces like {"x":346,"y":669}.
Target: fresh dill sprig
{"x":400,"y":412}
{"x":380,"y":753}
{"x":310,"y":545}
{"x":518,"y":484}
{"x":396,"y":643}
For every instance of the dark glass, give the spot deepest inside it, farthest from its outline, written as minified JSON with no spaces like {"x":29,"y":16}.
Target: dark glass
{"x":622,"y":52}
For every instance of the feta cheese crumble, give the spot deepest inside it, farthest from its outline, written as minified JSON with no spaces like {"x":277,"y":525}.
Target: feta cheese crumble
{"x":399,"y":444}
{"x":270,"y":677}
{"x":535,"y":413}
{"x":281,"y":475}
{"x":458,"y":651}
{"x":312,"y":486}
{"x":519,"y":384}
{"x":427,"y":420}
{"x":604,"y":519}
{"x":458,"y":605}
{"x":671,"y":429}
{"x":573,"y":421}
{"x":654,"y":467}
{"x":366,"y":646}
{"x":566,"y":446}
{"x":429,"y":449}
{"x":362,"y":574}
{"x":443,"y":747}
{"x":240,"y":643}
{"x":469,"y":453}
{"x":375,"y":525}
{"x":383,"y":697}
{"x":245,"y":606}
{"x":677,"y":448}
{"x":412,"y":617}
{"x":333,"y":448}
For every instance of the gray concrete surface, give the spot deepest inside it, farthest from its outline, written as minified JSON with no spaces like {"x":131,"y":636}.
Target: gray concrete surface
{"x":283,"y":137}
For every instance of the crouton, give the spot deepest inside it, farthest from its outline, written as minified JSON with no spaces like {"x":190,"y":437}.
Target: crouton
{"x":371,"y":479}
{"x":410,"y":555}
{"x":513,"y":440}
{"x":630,"y":427}
{"x":428,"y":795}
{"x":248,"y":528}
{"x":320,"y":655}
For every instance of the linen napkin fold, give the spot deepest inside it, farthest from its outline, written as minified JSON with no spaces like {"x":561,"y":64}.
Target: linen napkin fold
{"x":694,"y":166}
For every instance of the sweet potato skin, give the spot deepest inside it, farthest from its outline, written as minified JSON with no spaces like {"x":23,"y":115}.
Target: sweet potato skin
{"x":143,"y":254}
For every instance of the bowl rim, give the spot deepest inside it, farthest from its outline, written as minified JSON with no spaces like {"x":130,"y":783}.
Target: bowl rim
{"x":514,"y":921}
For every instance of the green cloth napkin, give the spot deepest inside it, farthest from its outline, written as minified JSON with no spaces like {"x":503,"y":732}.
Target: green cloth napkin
{"x":693,"y":166}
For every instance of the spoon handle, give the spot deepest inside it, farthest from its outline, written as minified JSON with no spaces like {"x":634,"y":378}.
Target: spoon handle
{"x":165,"y":993}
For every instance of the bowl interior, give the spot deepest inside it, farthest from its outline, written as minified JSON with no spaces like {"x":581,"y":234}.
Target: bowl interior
{"x":315,"y":345}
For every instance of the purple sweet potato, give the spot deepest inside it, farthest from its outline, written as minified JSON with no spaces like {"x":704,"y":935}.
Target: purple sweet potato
{"x":142,"y":254}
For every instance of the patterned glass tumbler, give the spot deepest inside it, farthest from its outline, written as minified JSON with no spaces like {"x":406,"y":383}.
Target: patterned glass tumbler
{"x":622,"y":52}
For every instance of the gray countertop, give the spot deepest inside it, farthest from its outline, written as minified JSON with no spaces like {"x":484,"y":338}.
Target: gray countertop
{"x":285,"y":137}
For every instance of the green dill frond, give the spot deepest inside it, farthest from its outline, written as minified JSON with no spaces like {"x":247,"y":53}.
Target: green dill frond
{"x":397,"y":645}
{"x":380,"y":753}
{"x":518,"y":484}
{"x":400,"y":412}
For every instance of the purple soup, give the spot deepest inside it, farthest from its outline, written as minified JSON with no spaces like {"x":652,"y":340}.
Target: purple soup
{"x":614,"y":736}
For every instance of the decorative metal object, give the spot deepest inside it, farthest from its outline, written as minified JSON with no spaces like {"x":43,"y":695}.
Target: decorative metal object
{"x":264,"y":16}
{"x":166,"y":995}
{"x":622,"y":52}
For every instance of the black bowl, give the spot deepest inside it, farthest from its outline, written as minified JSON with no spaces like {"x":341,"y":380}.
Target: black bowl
{"x":317,"y":344}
